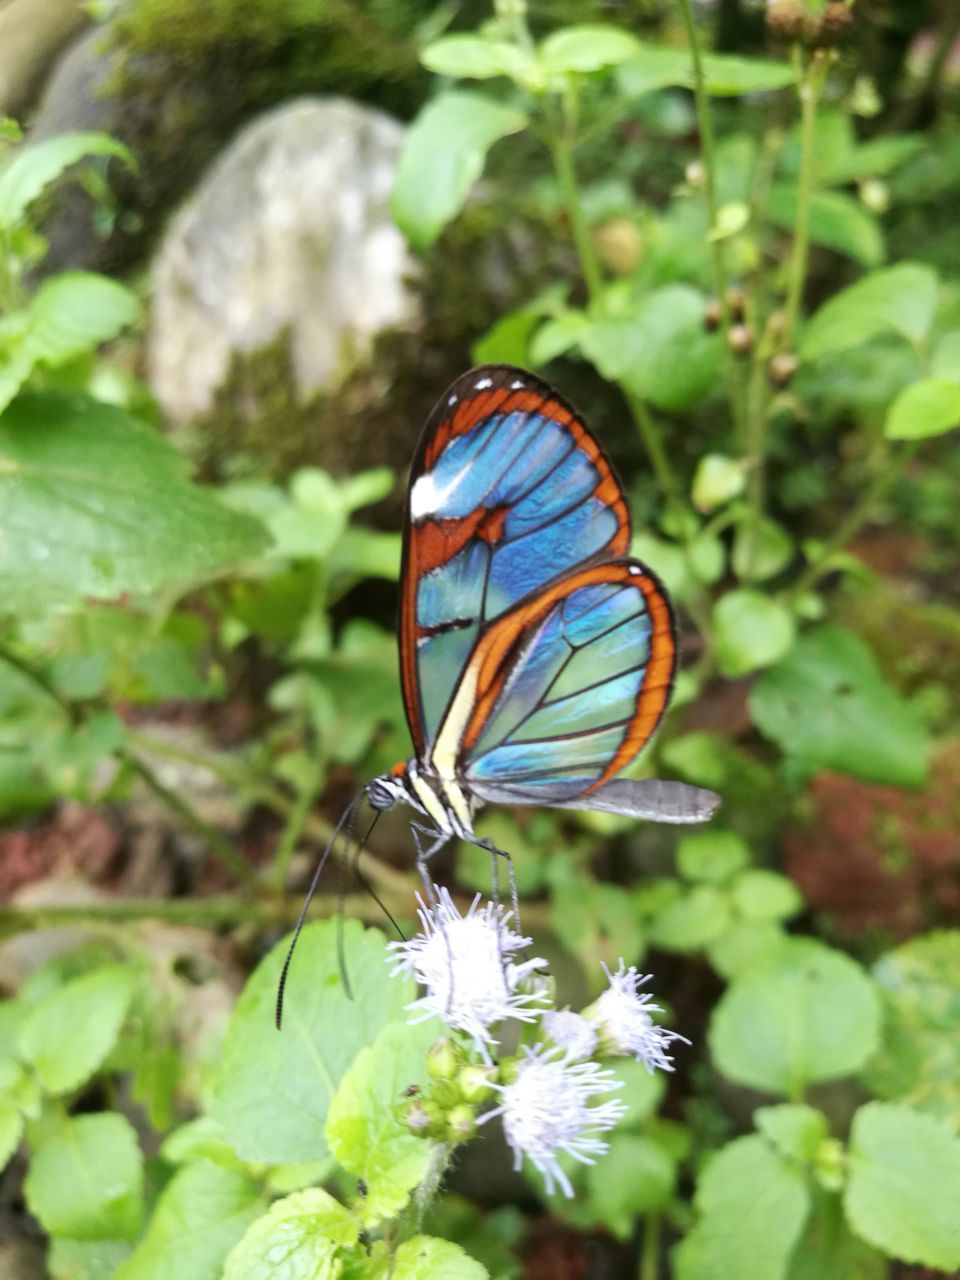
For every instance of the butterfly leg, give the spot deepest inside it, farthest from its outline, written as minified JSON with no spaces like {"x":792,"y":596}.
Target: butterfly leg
{"x":428,"y":841}
{"x":495,"y":854}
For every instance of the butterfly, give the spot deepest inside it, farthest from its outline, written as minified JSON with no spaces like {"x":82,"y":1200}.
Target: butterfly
{"x":537,"y":657}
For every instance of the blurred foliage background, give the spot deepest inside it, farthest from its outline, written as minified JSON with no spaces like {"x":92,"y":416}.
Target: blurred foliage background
{"x":243,"y":248}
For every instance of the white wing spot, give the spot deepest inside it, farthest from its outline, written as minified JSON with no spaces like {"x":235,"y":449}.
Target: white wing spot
{"x":426,"y":498}
{"x":452,"y":400}
{"x":635,"y":569}
{"x":483,"y":383}
{"x":516,"y":386}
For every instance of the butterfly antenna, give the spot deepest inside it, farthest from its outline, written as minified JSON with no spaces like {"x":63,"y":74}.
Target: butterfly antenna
{"x":368,"y":887}
{"x":347,"y":817}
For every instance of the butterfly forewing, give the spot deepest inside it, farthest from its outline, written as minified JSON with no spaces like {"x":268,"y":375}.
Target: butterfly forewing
{"x":508,"y":492}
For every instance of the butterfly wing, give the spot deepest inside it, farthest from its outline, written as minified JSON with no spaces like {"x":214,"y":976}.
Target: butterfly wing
{"x":563,"y":691}
{"x":508,"y":491}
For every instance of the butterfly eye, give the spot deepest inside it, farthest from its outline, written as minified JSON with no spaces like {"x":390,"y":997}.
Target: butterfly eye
{"x":382,"y":793}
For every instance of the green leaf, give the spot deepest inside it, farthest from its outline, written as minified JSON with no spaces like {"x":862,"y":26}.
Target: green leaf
{"x":751,"y":631}
{"x":794,"y":1128}
{"x":837,"y":221}
{"x":367,"y":487}
{"x":714,"y":856}
{"x":927,"y":408}
{"x":828,"y":707}
{"x":807,"y":1014}
{"x":586,"y":47}
{"x":901,"y":1192}
{"x":745,"y":946}
{"x":68,"y":1034}
{"x":11,"y":1131}
{"x":829,"y":1251}
{"x":691,"y":922}
{"x":660,"y":351}
{"x":641,"y":1092}
{"x":900,"y":300}
{"x":70,"y":314}
{"x":873,"y":159}
{"x":635,"y":1176}
{"x":919,"y":1059}
{"x":558,"y":336}
{"x":760,"y":552}
{"x":32,"y":170}
{"x":471,"y":57}
{"x":95,"y":503}
{"x":753,"y":1204}
{"x":443,"y":157}
{"x":424,"y":1258}
{"x":86,"y":1179}
{"x":86,"y":1259}
{"x":945,"y":361}
{"x":365,"y":1127}
{"x":660,"y":67}
{"x":274,"y":1088}
{"x":759,"y":894}
{"x":298,"y":1239}
{"x":717,"y":480}
{"x":201,"y":1214}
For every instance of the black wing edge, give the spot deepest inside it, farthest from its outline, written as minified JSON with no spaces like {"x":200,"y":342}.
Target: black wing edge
{"x":647,"y":798}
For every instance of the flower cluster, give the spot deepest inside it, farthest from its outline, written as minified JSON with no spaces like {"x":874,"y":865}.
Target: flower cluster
{"x":472,"y":976}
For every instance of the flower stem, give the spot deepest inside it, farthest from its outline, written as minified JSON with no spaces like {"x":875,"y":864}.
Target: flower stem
{"x":861,"y":513}
{"x":708,"y":154}
{"x":431,"y":1181}
{"x":650,"y":1257}
{"x":809,"y":83}
{"x":560,"y":142}
{"x":649,"y":431}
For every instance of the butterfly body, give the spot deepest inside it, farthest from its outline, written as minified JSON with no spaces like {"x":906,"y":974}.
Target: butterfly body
{"x":536,"y":656}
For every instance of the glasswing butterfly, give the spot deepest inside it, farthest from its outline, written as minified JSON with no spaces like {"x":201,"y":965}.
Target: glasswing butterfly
{"x":536,"y":656}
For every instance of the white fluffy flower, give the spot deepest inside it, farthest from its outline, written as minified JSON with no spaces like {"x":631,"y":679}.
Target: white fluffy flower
{"x":465,"y":964}
{"x":576,"y":1035}
{"x":546,"y":1112}
{"x":626,"y":1027}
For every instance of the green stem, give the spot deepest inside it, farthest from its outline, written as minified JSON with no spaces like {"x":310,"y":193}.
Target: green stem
{"x":431,"y":1181}
{"x":561,"y":151}
{"x":293,"y":830}
{"x":649,"y":431}
{"x":650,"y":1257}
{"x":758,"y":403}
{"x":858,"y":517}
{"x":809,"y":83}
{"x":708,"y":153}
{"x":214,"y":839}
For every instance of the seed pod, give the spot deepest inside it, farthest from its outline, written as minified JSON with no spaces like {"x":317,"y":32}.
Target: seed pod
{"x":619,"y":245}
{"x":736,"y":303}
{"x":786,"y":19}
{"x":741,"y":339}
{"x":782,"y":367}
{"x":711,"y":315}
{"x":695,"y":174}
{"x":834,"y":26}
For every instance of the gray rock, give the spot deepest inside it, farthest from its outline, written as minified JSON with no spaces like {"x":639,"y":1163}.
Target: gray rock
{"x":289,"y":231}
{"x":32,"y":33}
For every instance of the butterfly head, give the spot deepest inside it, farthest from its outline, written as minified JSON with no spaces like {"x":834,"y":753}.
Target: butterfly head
{"x":384,"y":792}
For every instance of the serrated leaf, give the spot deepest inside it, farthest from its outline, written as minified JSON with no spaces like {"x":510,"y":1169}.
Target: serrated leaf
{"x":926,"y":408}
{"x":900,"y":299}
{"x":471,"y":57}
{"x":919,"y":1057}
{"x":751,"y":631}
{"x":274,"y":1088}
{"x":35,"y":167}
{"x":299,"y":1238}
{"x":86,"y":1180}
{"x":901,"y":1192}
{"x":807,"y":1014}
{"x":68,"y":1034}
{"x":837,"y":221}
{"x":828,"y":707}
{"x":753,"y":1204}
{"x":365,"y":1128}
{"x":586,"y":47}
{"x":713,"y":856}
{"x":425,"y":1258}
{"x":794,"y":1128}
{"x":95,"y":503}
{"x":201,"y":1214}
{"x":661,"y":66}
{"x":444,"y":155}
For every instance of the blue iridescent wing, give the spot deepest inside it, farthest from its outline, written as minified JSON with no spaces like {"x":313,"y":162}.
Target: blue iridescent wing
{"x":508,"y":492}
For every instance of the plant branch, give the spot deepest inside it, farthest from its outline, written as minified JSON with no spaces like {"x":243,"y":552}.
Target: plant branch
{"x":649,"y":431}
{"x":561,"y":151}
{"x":809,"y":83}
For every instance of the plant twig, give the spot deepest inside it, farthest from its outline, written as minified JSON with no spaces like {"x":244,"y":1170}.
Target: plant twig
{"x":809,"y":83}
{"x":561,"y":151}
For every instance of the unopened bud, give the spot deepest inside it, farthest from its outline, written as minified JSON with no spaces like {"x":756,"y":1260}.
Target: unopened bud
{"x":461,"y":1123}
{"x":619,"y":245}
{"x":475,"y":1083}
{"x":741,"y":339}
{"x":443,"y":1059}
{"x":777,"y":325}
{"x":786,"y":19}
{"x":711,"y":315}
{"x":835,"y":23}
{"x":736,"y":303}
{"x":695,"y":174}
{"x":782,"y":367}
{"x":422,"y":1118}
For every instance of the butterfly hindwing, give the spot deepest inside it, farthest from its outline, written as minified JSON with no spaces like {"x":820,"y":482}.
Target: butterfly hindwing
{"x":565,"y":689}
{"x":509,"y":491}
